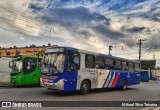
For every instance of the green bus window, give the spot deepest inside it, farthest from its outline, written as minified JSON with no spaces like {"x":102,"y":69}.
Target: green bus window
{"x":29,"y":65}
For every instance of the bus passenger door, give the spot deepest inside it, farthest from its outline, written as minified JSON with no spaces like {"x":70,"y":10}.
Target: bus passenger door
{"x":29,"y":67}
{"x":73,"y":67}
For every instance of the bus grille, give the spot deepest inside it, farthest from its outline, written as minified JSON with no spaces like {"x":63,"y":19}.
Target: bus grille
{"x":49,"y":77}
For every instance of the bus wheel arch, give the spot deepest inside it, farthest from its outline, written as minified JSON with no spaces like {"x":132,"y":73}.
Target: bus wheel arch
{"x":124,"y":84}
{"x":85,"y":86}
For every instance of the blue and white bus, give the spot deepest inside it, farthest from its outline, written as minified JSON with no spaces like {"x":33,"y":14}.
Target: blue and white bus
{"x":68,"y":69}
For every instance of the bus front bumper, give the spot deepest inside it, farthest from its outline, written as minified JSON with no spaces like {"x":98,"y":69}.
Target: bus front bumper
{"x":59,"y":86}
{"x":16,"y":81}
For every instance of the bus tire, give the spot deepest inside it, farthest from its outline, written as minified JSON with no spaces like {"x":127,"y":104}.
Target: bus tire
{"x":124,"y":85}
{"x":85,"y":87}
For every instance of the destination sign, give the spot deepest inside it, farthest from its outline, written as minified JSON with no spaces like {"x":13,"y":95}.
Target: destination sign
{"x":16,"y":58}
{"x":50,"y":50}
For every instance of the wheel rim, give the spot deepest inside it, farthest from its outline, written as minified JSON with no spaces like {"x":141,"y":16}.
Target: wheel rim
{"x":85,"y":87}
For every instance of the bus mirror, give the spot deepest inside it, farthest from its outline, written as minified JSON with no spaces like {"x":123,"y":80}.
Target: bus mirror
{"x":10,"y":64}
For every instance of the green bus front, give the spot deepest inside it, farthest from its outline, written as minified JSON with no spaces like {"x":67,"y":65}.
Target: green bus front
{"x":25,"y":70}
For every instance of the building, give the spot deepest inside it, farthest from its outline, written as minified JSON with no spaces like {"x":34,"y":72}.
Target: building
{"x":148,"y":64}
{"x":147,"y":69}
{"x":28,"y":50}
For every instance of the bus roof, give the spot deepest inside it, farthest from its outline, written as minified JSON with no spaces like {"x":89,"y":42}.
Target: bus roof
{"x":98,"y":54}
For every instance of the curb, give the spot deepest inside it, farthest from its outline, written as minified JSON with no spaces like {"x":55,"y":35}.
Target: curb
{"x":151,"y":81}
{"x":4,"y":84}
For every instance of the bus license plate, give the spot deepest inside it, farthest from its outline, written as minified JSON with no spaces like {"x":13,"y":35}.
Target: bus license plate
{"x":50,"y":81}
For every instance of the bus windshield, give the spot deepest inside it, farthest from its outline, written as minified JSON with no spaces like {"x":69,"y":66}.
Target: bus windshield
{"x":16,"y":66}
{"x":53,"y":63}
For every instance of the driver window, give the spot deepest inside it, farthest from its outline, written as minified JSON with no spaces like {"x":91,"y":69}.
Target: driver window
{"x":29,"y":66}
{"x":73,"y":61}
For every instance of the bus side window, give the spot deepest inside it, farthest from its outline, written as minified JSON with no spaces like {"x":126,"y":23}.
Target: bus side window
{"x":29,"y":65}
{"x":125,"y":65}
{"x":73,"y":61}
{"x":90,"y":61}
{"x":137,"y":67}
{"x":109,"y":63}
{"x":131,"y":67}
{"x":117,"y":65}
{"x":99,"y":63}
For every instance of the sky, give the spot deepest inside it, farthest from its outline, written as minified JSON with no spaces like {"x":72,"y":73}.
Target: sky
{"x":85,"y":24}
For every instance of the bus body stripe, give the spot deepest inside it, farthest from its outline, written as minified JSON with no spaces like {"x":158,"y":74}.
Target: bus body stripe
{"x":113,"y":77}
{"x":115,"y":81}
{"x":107,"y":80}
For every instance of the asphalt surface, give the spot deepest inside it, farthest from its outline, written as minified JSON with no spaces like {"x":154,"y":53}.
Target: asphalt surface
{"x":142,"y":92}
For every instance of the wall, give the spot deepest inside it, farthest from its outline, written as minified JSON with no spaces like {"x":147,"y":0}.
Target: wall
{"x":26,"y":51}
{"x":4,"y":69}
{"x":156,"y":73}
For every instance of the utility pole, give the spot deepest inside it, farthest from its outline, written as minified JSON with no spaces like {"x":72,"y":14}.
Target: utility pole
{"x":140,"y":47}
{"x":110,"y":49}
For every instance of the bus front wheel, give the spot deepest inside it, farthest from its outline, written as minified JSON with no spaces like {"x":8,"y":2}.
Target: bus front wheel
{"x":124,"y":85}
{"x":85,"y":87}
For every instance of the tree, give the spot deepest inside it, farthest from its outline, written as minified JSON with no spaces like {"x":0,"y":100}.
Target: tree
{"x":15,"y":46}
{"x":33,"y":45}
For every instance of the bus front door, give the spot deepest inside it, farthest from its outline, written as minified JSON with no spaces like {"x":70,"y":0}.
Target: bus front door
{"x":29,"y":67}
{"x":73,"y":67}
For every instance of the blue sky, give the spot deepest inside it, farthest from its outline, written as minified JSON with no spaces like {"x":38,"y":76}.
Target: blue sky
{"x":86,"y":24}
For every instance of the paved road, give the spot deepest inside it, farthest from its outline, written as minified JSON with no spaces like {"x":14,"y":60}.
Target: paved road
{"x":143,"y":92}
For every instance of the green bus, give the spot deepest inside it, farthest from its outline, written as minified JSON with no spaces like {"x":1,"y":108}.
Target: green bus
{"x":25,"y":70}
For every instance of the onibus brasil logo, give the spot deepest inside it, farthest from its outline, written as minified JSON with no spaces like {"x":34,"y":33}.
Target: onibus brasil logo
{"x":20,"y":104}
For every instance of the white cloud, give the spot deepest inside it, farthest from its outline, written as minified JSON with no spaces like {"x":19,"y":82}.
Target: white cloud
{"x":22,"y":38}
{"x":39,"y":33}
{"x":18,"y":6}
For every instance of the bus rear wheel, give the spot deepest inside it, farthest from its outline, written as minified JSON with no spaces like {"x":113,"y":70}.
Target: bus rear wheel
{"x":124,"y":85}
{"x":85,"y":87}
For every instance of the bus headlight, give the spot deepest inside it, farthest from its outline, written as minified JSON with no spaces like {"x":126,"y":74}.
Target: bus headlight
{"x":60,"y":81}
